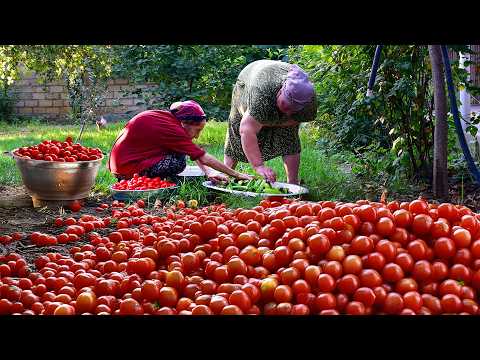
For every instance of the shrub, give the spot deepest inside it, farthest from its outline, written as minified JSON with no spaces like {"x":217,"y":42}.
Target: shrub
{"x":7,"y":106}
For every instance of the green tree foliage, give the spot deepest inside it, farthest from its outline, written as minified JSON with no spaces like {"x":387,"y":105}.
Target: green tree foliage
{"x":10,"y":56}
{"x":205,"y":73}
{"x":396,"y":123}
{"x":84,"y":69}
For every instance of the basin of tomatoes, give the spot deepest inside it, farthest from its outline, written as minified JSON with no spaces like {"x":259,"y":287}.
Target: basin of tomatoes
{"x":59,"y":151}
{"x":279,"y":258}
{"x":138,"y":182}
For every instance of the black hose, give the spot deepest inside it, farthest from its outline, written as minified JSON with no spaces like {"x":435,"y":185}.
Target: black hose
{"x":454,"y":108}
{"x":373,"y":73}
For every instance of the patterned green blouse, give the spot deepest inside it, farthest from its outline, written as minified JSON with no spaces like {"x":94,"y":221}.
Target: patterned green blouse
{"x":256,"y":90}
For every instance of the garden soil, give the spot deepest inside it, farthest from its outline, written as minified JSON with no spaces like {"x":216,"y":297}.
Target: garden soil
{"x":26,"y":219}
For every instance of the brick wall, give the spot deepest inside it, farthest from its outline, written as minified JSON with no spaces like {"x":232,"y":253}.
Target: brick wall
{"x":50,"y":100}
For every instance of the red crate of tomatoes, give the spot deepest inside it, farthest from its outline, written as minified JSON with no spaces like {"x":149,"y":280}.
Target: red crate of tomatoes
{"x":60,"y":151}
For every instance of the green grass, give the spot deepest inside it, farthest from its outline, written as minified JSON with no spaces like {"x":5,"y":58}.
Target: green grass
{"x":323,"y":175}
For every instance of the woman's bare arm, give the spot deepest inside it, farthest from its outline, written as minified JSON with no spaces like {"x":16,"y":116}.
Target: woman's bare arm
{"x":210,"y":161}
{"x":249,"y":128}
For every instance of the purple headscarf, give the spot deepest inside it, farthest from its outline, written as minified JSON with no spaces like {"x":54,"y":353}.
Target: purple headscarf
{"x":297,"y":89}
{"x":188,"y":110}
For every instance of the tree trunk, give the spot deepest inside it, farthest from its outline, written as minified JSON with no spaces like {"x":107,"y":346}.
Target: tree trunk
{"x":440,"y":172}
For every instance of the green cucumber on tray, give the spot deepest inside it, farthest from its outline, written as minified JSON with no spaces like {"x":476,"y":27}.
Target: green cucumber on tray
{"x":259,"y":186}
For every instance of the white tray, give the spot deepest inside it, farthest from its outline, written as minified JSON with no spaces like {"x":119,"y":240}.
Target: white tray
{"x":294,"y":190}
{"x":192,"y":171}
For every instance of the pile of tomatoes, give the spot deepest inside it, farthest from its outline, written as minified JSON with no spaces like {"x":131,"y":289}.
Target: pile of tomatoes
{"x":138,"y":182}
{"x":7,"y":239}
{"x":74,"y":229}
{"x":279,"y":258}
{"x":53,"y":150}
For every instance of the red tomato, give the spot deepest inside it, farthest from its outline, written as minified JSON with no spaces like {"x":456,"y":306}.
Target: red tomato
{"x":325,"y":301}
{"x":444,"y":248}
{"x":393,"y":303}
{"x":130,"y":307}
{"x":333,"y":268}
{"x":365,"y":295}
{"x":387,"y":249}
{"x":451,"y":303}
{"x":374,"y":260}
{"x":405,"y":285}
{"x":311,"y":274}
{"x":352,"y":264}
{"x":412,"y":300}
{"x":64,"y":309}
{"x":460,"y":272}
{"x":422,"y":271}
{"x":86,"y":302}
{"x":361,"y":245}
{"x":449,"y":287}
{"x":240,"y":299}
{"x":355,"y":308}
{"x":300,"y":309}
{"x":318,"y":244}
{"x":385,"y":226}
{"x":439,"y":271}
{"x":75,"y":206}
{"x":462,"y":238}
{"x":421,"y":224}
{"x":168,"y":297}
{"x":231,"y":310}
{"x":392,"y":272}
{"x":348,"y":284}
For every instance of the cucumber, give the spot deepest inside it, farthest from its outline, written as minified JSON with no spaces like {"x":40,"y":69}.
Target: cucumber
{"x":256,"y":185}
{"x":272,"y":191}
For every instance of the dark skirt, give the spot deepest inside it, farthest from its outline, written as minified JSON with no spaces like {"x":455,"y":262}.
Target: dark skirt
{"x":273,"y":141}
{"x":167,"y":168}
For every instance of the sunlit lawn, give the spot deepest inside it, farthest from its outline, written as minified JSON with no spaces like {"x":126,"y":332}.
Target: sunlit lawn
{"x":323,"y":175}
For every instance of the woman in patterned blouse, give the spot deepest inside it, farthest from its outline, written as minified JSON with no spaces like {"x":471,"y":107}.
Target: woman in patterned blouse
{"x":269,"y":101}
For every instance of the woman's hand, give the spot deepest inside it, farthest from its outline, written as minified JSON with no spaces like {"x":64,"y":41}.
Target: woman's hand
{"x":216,"y":177}
{"x":242,"y":176}
{"x":208,"y":161}
{"x":267,"y":173}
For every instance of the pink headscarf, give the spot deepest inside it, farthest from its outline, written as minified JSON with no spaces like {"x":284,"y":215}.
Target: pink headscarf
{"x":188,"y":110}
{"x":297,"y":89}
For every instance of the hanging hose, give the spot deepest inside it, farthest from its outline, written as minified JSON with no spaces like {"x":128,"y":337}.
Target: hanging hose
{"x":458,"y":126}
{"x":373,"y":73}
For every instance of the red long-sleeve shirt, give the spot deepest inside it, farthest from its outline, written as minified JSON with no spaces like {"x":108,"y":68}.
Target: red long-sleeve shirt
{"x":146,"y":139}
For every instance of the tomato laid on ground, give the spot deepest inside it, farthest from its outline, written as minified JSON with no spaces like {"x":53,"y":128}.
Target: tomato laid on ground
{"x":283,"y":257}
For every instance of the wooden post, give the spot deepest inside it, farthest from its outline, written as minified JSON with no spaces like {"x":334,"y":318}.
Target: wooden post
{"x":440,"y":169}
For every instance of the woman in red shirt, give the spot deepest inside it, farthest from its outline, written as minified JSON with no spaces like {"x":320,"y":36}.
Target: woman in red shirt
{"x":155,"y":143}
